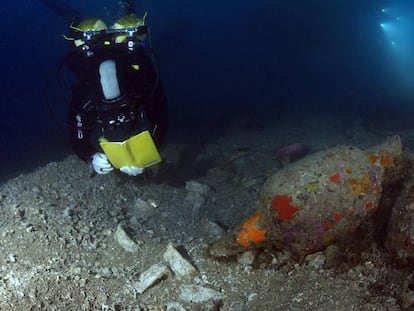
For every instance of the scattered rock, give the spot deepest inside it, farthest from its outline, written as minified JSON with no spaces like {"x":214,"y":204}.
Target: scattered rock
{"x":193,"y":186}
{"x":246,"y":258}
{"x":178,"y":263}
{"x":210,"y":229}
{"x":125,"y":241}
{"x":238,"y":306}
{"x":200,"y":294}
{"x":142,"y":209}
{"x":196,"y":197}
{"x":150,"y":277}
{"x":175,"y":306}
{"x":250,"y":182}
{"x":316,"y":260}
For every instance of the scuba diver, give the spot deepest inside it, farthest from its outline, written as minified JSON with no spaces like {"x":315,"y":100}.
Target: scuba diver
{"x":118,"y":110}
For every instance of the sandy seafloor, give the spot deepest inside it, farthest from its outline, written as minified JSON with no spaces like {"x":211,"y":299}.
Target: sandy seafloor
{"x":57,"y":225}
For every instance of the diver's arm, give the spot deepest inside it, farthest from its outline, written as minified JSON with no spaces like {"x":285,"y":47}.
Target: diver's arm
{"x":80,"y":129}
{"x":62,"y":9}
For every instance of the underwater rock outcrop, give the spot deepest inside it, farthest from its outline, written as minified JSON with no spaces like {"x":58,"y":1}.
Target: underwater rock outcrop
{"x":400,"y":237}
{"x":292,"y":152}
{"x":321,"y":199}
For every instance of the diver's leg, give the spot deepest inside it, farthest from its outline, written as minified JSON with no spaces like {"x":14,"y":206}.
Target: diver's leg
{"x":62,"y":9}
{"x":126,"y":7}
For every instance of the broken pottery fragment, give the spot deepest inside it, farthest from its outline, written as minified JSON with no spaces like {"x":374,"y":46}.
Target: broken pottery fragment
{"x":125,"y":241}
{"x":178,"y":263}
{"x":200,"y":294}
{"x":151,"y":276}
{"x":316,"y":201}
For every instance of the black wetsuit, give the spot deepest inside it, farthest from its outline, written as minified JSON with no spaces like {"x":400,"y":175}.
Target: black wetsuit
{"x":142,"y":104}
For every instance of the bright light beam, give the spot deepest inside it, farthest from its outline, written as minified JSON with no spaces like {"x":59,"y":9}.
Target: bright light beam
{"x":398,"y":29}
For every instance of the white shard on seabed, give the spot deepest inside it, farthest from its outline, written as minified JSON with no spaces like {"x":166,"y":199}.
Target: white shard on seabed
{"x":175,"y":306}
{"x":179,"y":265}
{"x":125,"y":241}
{"x":151,"y":276}
{"x":200,"y":294}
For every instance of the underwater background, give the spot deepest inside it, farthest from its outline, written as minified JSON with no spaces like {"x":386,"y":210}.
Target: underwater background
{"x":272,"y":59}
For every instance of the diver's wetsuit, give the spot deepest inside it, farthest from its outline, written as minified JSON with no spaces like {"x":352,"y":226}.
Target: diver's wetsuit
{"x":141,"y":105}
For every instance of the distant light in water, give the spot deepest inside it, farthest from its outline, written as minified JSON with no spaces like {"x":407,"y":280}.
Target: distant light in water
{"x":397,"y":27}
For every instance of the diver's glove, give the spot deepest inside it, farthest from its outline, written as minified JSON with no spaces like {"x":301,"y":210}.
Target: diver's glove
{"x":100,"y":164}
{"x":131,"y":170}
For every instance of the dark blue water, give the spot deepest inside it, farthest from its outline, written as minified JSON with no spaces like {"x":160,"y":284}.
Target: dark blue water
{"x":274,"y":57}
